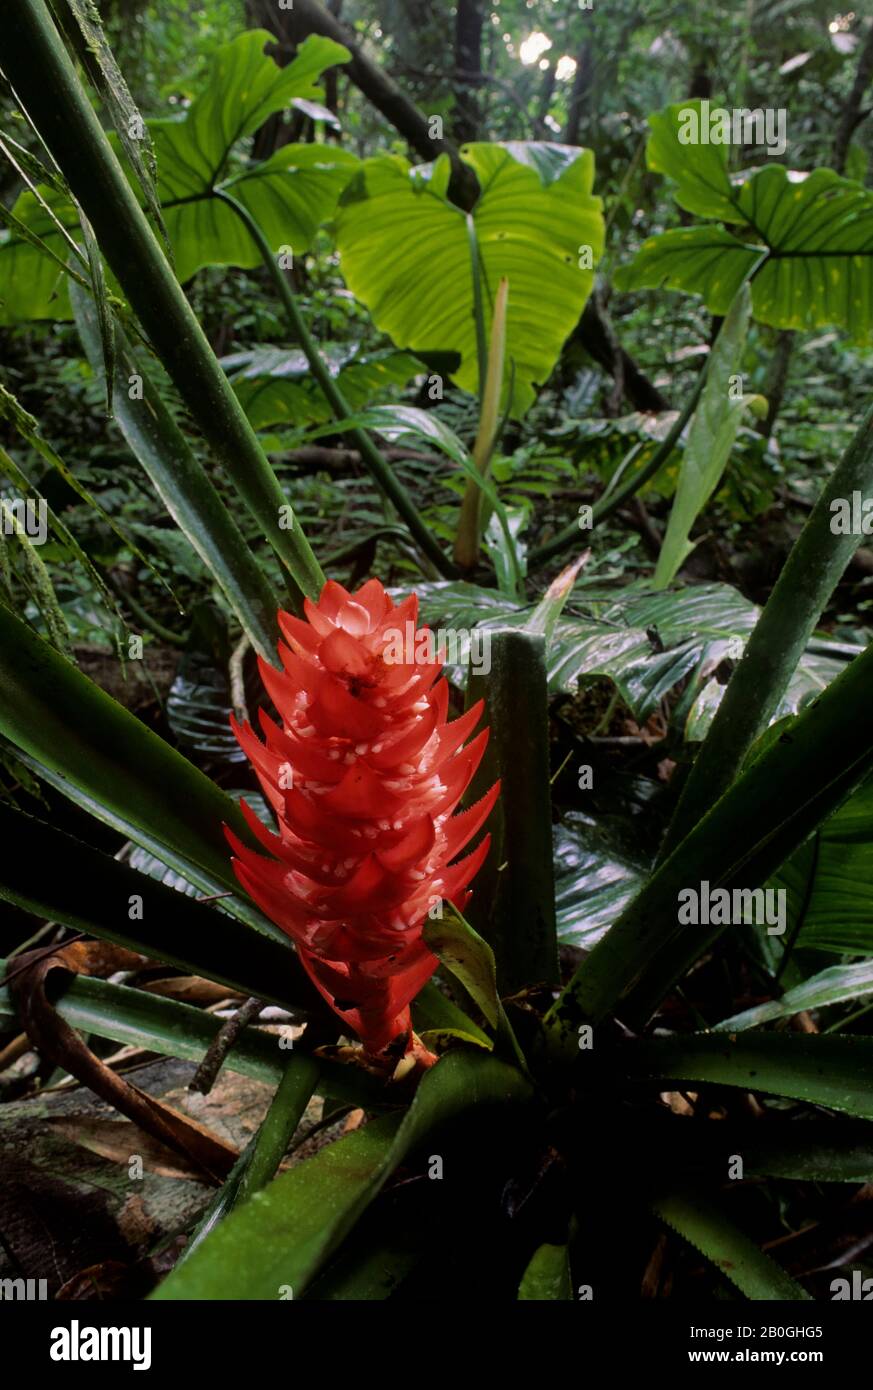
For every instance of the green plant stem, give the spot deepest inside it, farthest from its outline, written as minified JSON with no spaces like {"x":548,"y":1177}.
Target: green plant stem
{"x":153,"y":625}
{"x":478,"y":307}
{"x":275,"y":1134}
{"x":467,"y":540}
{"x":809,"y":577}
{"x":379,"y":468}
{"x":33,"y":56}
{"x":611,"y":501}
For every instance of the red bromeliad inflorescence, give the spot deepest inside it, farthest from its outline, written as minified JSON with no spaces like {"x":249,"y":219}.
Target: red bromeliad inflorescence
{"x":363,"y":777}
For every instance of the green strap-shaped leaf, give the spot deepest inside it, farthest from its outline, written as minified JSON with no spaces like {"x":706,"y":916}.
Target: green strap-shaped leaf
{"x":184,"y":486}
{"x":285,"y":1234}
{"x":735,"y":1256}
{"x":822,"y":1070}
{"x":19,"y":480}
{"x":37,"y":582}
{"x":513,"y":902}
{"x":836,"y":985}
{"x":130,"y":128}
{"x":277,"y":1129}
{"x":131,"y":778}
{"x":711,"y":436}
{"x":139,"y":1019}
{"x":547,"y":1277}
{"x":90,"y":891}
{"x":433,"y":1011}
{"x":819,"y":1151}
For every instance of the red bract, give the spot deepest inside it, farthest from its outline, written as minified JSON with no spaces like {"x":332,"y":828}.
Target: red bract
{"x":363,"y":776}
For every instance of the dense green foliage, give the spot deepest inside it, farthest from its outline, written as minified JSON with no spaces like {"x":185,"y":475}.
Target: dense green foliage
{"x":252,"y":334}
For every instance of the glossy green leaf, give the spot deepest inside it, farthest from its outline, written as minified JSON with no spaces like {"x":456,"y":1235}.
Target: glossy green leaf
{"x":464,"y":954}
{"x":547,"y":1277}
{"x":275,"y":385}
{"x":289,"y":195}
{"x":594,"y":880}
{"x":644,"y":642}
{"x":699,"y":170}
{"x":285,"y":1234}
{"x":136,"y":1018}
{"x":829,"y":881}
{"x":839,"y":984}
{"x":406,"y":253}
{"x":773,"y":807}
{"x":823,"y":1070}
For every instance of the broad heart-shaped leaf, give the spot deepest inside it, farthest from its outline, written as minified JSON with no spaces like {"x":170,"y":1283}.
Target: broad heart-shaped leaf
{"x":700,"y":171}
{"x":275,"y":385}
{"x":242,"y":89}
{"x":285,"y":1234}
{"x":406,"y":253}
{"x":644,"y":642}
{"x":290,"y":194}
{"x":711,"y":436}
{"x":594,"y":880}
{"x":812,"y":232}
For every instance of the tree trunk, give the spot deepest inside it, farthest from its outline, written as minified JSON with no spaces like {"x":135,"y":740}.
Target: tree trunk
{"x":579,"y":94}
{"x":467,"y":114}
